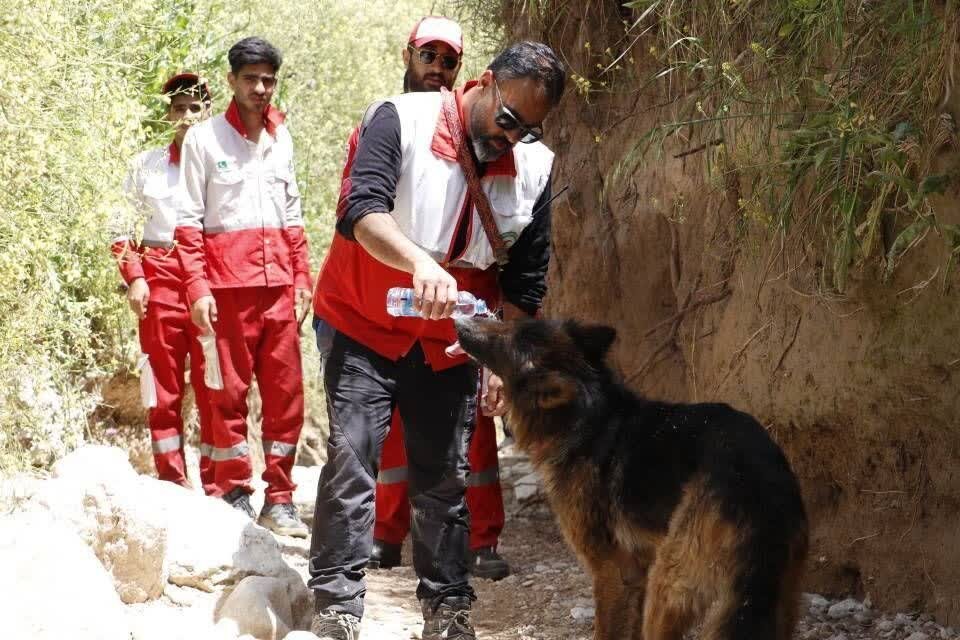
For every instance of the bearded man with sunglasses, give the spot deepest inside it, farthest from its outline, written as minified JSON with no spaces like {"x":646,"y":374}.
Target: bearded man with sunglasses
{"x":438,"y":196}
{"x":432,"y":59}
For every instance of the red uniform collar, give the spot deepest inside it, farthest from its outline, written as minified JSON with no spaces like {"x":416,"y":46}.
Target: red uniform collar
{"x":442,"y":143}
{"x":174,"y":153}
{"x":272,"y":118}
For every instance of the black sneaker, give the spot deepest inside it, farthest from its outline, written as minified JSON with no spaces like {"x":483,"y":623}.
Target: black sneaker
{"x":384,"y":555}
{"x":331,"y":625}
{"x":488,"y":564}
{"x":282,"y":518}
{"x":448,"y":621}
{"x":239,"y":499}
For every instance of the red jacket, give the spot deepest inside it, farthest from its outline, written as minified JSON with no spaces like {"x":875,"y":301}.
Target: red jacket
{"x":351,"y":290}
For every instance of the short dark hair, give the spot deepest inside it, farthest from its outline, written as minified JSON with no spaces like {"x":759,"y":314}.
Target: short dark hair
{"x":532,"y":60}
{"x":254,"y":50}
{"x":188,"y":86}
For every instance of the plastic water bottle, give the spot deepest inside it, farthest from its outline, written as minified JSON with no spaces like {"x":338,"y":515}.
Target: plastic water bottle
{"x":400,"y":304}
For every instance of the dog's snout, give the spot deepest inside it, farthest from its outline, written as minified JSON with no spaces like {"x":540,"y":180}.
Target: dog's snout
{"x":465,"y":326}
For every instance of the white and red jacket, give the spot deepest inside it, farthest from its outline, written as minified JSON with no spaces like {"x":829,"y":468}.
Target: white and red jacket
{"x":241,"y":224}
{"x":417,"y":180}
{"x":155,"y":195}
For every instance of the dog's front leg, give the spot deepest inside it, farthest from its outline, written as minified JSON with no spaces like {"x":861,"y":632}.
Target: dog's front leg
{"x":609,"y":597}
{"x":634,"y":569}
{"x":619,"y":587}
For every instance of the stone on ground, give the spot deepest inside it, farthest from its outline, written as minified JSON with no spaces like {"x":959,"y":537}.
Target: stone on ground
{"x":267,"y":608}
{"x":53,"y":586}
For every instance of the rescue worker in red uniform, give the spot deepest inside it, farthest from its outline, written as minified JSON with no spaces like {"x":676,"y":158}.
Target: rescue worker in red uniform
{"x":409,"y":215}
{"x":432,"y":60}
{"x":154,"y":279}
{"x":243,"y":248}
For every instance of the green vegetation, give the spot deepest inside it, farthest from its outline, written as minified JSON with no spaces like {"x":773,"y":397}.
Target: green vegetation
{"x":79,"y":99}
{"x":826,"y":116}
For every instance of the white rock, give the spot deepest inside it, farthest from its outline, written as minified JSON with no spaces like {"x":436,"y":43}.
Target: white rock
{"x":267,"y":608}
{"x":157,"y":620}
{"x":97,"y":492}
{"x":918,"y":635}
{"x":527,"y":486}
{"x":884,"y":625}
{"x":17,"y":490}
{"x":53,"y":586}
{"x":300,"y":635}
{"x":844,"y":608}
{"x":149,"y":532}
{"x":815,"y":601}
{"x":209,"y":543}
{"x":582,"y":614}
{"x":97,"y":464}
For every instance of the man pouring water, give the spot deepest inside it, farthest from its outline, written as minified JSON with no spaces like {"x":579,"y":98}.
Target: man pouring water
{"x":440,"y":198}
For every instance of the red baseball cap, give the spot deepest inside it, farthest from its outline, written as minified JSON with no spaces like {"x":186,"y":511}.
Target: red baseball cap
{"x":181,"y":80}
{"x":437,"y":29}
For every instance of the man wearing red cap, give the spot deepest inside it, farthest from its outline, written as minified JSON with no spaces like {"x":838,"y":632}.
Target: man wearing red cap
{"x":432,"y":60}
{"x":154,"y":282}
{"x":437,"y":196}
{"x":244,"y":251}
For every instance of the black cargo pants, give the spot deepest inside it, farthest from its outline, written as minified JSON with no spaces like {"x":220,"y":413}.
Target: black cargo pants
{"x":438,"y":410}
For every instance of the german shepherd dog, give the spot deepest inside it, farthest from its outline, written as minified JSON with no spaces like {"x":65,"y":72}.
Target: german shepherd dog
{"x":686,"y":515}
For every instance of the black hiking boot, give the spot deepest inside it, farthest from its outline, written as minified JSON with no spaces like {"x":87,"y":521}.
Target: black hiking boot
{"x":282,"y":518}
{"x":449,"y":621}
{"x":239,"y":499}
{"x":384,"y":555}
{"x":488,"y":564}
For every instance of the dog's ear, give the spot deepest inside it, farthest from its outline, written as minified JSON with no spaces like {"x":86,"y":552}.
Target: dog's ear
{"x":554,"y":391}
{"x":593,"y":340}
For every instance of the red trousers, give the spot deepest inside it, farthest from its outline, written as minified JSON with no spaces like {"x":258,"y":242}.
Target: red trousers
{"x":167,"y":336}
{"x":257,"y":334}
{"x":484,"y":499}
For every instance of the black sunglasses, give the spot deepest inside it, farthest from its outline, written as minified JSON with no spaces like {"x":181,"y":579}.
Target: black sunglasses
{"x":427,"y":57}
{"x":507,"y":121}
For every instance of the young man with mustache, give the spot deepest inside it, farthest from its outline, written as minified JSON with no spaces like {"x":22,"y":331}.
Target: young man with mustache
{"x":243,"y":247}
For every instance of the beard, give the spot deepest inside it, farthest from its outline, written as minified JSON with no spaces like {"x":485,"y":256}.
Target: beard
{"x":411,"y":83}
{"x":484,"y":147}
{"x":485,"y":150}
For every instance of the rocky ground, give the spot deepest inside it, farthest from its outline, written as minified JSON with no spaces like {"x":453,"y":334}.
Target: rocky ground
{"x":98,"y":551}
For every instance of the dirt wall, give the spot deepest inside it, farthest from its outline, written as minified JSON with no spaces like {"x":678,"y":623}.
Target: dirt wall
{"x":861,"y":389}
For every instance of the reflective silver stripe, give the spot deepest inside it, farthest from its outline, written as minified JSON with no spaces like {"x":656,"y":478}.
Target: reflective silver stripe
{"x":276,"y":448}
{"x":392,"y":476}
{"x":166,"y":445}
{"x":484,"y":478}
{"x":227,"y":453}
{"x":205,"y":450}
